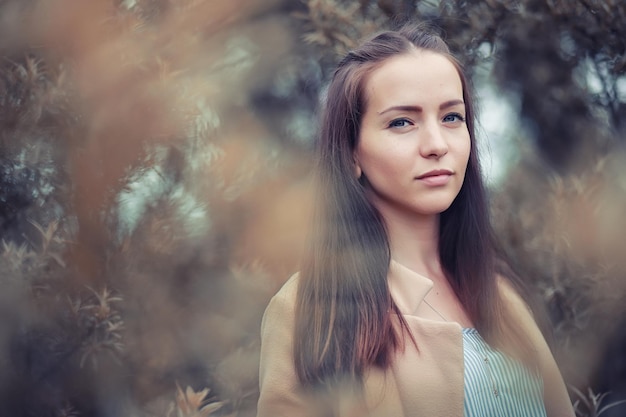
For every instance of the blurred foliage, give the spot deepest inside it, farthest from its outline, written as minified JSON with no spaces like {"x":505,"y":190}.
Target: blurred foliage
{"x":154,"y":190}
{"x":591,"y":404}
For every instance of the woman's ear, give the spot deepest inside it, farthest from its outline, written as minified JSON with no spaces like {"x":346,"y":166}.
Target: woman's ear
{"x":357,"y":169}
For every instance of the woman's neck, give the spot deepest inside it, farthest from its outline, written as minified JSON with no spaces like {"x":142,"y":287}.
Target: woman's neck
{"x":414,"y":241}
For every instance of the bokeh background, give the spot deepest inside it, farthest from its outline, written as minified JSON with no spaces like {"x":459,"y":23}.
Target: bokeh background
{"x":155,"y":185}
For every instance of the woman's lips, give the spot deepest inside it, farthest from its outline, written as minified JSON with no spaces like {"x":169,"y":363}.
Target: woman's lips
{"x":435,"y":178}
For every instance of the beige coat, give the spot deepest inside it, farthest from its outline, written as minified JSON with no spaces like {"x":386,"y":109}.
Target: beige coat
{"x":427,"y":383}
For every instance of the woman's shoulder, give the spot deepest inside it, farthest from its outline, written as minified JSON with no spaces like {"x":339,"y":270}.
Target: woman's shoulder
{"x":283,"y":302}
{"x":289,"y":289}
{"x":512,"y":296}
{"x":518,"y":311}
{"x":556,"y":400}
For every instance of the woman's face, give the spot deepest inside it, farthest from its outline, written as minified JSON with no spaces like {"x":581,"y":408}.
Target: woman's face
{"x":413,"y":144}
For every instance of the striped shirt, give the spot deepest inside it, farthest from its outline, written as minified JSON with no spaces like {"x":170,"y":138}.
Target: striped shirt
{"x":496,"y":385}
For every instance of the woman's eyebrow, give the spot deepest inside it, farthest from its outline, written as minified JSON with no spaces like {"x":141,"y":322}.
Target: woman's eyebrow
{"x":414,"y":109}
{"x":451,"y":103}
{"x":418,"y":109}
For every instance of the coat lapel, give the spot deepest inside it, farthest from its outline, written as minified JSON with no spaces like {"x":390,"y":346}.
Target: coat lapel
{"x":429,"y":379}
{"x":407,"y":288}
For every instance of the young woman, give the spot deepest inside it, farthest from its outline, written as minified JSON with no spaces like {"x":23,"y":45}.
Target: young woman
{"x":398,"y":309}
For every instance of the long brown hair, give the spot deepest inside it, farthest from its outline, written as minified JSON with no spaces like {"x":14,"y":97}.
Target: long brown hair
{"x":343,"y":322}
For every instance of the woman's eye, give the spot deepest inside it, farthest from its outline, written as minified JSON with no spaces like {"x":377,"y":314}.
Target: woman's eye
{"x":400,"y":123}
{"x":453,"y":117}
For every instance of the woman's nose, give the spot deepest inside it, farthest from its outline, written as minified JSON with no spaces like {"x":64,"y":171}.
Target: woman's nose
{"x":432,"y":142}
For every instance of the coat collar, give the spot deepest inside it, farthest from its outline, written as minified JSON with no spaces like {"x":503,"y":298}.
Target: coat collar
{"x":407,"y":288}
